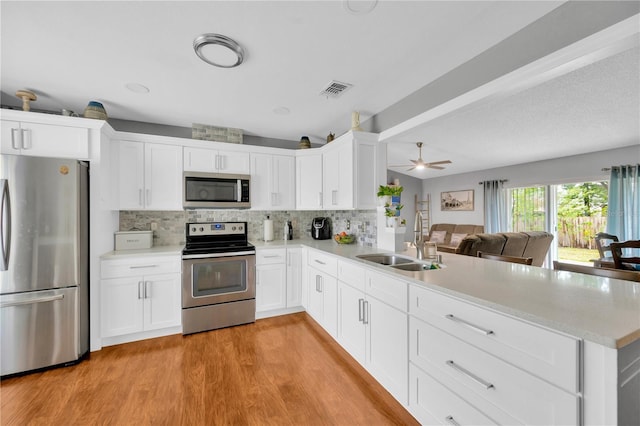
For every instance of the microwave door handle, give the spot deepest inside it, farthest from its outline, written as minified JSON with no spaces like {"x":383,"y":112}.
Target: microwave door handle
{"x":239,"y":190}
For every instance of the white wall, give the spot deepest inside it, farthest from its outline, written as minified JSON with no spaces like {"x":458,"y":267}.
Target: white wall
{"x":411,"y":187}
{"x":577,"y":168}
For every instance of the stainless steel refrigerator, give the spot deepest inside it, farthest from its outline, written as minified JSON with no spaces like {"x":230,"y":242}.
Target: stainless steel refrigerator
{"x":44,"y":274}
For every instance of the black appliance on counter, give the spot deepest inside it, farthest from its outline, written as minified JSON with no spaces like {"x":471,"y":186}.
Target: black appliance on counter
{"x":321,"y":228}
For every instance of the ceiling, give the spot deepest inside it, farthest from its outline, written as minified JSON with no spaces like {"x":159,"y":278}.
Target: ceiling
{"x":69,"y":53}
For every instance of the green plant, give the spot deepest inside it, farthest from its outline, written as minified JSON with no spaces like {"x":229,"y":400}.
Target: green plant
{"x":389,"y":191}
{"x":392,"y":210}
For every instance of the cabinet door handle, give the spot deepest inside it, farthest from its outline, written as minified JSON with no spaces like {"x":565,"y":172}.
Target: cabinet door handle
{"x":140,"y":196}
{"x":140,"y":295}
{"x":365,"y":313}
{"x":360,"y":310}
{"x":470,"y":375}
{"x":217,"y":162}
{"x":473,"y":327}
{"x":147,"y":289}
{"x":319,"y":261}
{"x":271,"y":256}
{"x":16,"y":138}
{"x":334,"y":197}
{"x":142,"y":266}
{"x":320,"y":199}
{"x":451,"y":421}
{"x":148,"y":197}
{"x":26,"y":139}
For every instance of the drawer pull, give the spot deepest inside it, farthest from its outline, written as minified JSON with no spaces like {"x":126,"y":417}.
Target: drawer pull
{"x":451,"y":421}
{"x":318,"y":261}
{"x":271,"y":256}
{"x":468,"y":324}
{"x":470,"y":375}
{"x":143,"y":266}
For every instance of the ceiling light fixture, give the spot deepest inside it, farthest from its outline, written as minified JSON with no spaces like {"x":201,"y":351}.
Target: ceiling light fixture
{"x":218,"y":50}
{"x":359,"y":7}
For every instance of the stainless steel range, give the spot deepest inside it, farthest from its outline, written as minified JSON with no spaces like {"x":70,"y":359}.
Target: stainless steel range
{"x":218,"y":277}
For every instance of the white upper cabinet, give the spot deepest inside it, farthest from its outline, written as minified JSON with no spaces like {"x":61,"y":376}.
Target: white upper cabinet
{"x":344,"y":174}
{"x":272,"y":182}
{"x":44,"y":140}
{"x":309,"y":180}
{"x":216,"y":161}
{"x":149,"y":176}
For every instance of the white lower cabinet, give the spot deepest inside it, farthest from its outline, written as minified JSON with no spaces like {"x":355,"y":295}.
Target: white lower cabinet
{"x":294,"y":277}
{"x":139,"y":295}
{"x":271,"y":279}
{"x":323,"y":299}
{"x":372,"y":331}
{"x":278,"y":279}
{"x":500,"y":384}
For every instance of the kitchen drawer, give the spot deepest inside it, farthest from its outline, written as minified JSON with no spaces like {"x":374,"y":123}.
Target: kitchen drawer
{"x":433,"y":403}
{"x":271,"y":256}
{"x":545,"y":353}
{"x":323,"y":262}
{"x":475,"y":374}
{"x":391,"y":291}
{"x":352,"y":274}
{"x":143,"y":265}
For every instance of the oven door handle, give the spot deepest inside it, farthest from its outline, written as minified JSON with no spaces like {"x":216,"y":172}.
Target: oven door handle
{"x":210,"y":255}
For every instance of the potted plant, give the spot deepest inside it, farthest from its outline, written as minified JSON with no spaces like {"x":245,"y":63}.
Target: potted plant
{"x":386,"y":193}
{"x":392,"y":212}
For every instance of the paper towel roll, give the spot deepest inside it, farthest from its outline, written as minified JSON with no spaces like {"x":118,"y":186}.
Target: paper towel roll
{"x":268,"y":229}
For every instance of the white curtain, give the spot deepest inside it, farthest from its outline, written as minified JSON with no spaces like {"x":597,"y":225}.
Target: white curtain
{"x":495,"y":207}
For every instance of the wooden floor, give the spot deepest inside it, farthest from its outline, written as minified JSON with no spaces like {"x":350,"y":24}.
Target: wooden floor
{"x":281,"y":371}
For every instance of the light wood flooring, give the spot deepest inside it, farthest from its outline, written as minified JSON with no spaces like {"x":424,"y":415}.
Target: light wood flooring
{"x":280,"y":371}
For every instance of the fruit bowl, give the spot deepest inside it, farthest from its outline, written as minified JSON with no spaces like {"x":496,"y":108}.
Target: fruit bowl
{"x":344,"y":238}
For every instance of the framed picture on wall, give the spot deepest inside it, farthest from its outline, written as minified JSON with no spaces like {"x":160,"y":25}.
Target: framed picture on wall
{"x":461,"y":201}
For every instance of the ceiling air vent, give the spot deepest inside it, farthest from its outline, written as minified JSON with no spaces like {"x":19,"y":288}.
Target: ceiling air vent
{"x":335,"y":89}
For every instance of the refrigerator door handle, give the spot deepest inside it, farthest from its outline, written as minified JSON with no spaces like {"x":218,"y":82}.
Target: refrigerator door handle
{"x":32,"y":301}
{"x":5,"y":224}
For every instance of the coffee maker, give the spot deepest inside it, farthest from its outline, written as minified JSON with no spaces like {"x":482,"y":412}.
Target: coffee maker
{"x":321,"y":228}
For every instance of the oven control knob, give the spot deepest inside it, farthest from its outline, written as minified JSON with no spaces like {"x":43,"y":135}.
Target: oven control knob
{"x":201,"y":229}
{"x":193,"y":229}
{"x":233,"y":228}
{"x":240,"y":228}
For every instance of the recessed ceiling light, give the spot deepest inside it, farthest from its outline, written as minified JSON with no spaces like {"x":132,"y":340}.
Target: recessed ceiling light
{"x":281,"y":110}
{"x":218,"y":50}
{"x":359,"y":7}
{"x":137,"y":88}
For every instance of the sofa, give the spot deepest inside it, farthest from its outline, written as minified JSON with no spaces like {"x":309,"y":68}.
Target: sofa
{"x":534,"y":244}
{"x":447,"y":236}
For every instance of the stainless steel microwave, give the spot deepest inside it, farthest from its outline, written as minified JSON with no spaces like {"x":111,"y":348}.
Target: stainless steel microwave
{"x":216,"y":191}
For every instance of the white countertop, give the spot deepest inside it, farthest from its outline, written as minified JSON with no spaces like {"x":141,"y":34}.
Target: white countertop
{"x":153,"y":251}
{"x":601,"y":310}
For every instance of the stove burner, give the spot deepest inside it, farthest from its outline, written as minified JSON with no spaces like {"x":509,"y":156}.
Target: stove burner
{"x":216,"y":237}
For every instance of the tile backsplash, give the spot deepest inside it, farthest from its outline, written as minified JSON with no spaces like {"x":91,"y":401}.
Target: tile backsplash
{"x":171,"y":225}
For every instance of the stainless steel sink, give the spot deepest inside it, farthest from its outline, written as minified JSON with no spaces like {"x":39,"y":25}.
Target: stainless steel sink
{"x":412,"y":267}
{"x":385,"y":259}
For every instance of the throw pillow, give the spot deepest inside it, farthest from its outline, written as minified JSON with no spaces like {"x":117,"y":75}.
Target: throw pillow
{"x":438,"y":236}
{"x":456,"y":239}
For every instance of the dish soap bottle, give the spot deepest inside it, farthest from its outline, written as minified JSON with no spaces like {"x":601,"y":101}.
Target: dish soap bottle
{"x":288,"y":230}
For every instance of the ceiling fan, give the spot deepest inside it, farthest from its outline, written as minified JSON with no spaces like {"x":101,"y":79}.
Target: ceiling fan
{"x":420,"y":164}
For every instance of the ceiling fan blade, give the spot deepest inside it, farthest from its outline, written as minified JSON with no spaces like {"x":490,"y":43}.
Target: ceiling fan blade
{"x":439,"y":162}
{"x":410,"y":169}
{"x":429,"y":166}
{"x":399,"y":165}
{"x":416,"y":162}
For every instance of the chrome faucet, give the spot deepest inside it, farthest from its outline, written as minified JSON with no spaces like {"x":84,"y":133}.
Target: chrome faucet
{"x":418,"y":235}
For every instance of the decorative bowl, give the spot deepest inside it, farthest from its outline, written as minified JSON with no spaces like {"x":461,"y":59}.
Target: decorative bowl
{"x":345,"y":239}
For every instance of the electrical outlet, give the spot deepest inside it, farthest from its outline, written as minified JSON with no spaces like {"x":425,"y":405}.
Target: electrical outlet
{"x":154,"y":226}
{"x":348,"y":224}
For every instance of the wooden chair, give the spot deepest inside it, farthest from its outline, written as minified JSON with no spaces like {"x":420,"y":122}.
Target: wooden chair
{"x":620,"y":260}
{"x":600,"y":272}
{"x":603,"y":240}
{"x":512,"y":259}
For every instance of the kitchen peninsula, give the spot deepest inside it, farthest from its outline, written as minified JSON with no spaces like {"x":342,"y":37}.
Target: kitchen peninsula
{"x":576,"y":337}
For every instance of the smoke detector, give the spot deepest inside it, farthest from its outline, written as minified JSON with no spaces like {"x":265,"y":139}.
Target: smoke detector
{"x":335,"y":89}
